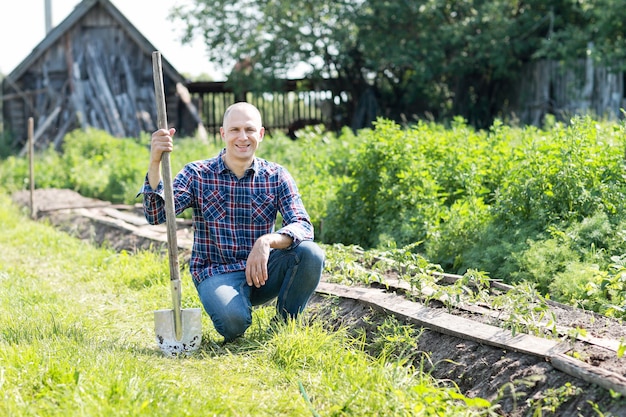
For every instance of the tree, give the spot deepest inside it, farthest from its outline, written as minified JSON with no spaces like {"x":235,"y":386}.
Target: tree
{"x":577,"y":24}
{"x":405,"y":58}
{"x":273,"y":37}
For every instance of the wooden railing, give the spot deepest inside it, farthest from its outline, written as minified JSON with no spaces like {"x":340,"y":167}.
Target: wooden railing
{"x":296,"y":105}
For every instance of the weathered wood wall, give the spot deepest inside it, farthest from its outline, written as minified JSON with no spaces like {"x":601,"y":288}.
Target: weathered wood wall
{"x":94,"y":75}
{"x":565,"y":90}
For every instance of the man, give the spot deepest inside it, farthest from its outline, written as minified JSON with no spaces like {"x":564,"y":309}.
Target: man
{"x":238,"y":260}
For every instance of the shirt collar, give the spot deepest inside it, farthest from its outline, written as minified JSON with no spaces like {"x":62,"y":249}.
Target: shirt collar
{"x":221,"y":166}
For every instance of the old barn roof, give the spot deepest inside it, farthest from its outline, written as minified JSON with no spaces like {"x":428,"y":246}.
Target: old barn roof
{"x":74,"y":18}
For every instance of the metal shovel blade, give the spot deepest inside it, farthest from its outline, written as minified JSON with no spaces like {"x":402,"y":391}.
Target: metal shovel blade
{"x":191,"y":337}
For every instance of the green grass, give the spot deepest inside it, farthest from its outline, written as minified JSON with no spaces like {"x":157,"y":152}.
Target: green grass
{"x":77,"y":339}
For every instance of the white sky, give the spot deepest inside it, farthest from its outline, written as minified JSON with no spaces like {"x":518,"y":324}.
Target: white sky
{"x":23,"y":26}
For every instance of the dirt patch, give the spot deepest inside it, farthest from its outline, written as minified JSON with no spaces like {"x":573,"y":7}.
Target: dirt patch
{"x":519,"y":383}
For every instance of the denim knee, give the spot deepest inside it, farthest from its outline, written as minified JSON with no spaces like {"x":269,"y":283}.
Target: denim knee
{"x":226,"y":300}
{"x":231,"y":326}
{"x":310,"y":252}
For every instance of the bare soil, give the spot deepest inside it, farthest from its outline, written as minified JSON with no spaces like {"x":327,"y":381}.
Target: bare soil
{"x":520,"y":383}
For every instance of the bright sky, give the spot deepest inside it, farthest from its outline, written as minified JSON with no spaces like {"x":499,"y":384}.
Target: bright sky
{"x":23,"y":27}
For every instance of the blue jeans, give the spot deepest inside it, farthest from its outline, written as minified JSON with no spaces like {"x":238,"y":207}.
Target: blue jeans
{"x":293,"y":276}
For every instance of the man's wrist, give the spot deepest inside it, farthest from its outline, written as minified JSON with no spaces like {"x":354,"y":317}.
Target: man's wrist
{"x":276,"y":240}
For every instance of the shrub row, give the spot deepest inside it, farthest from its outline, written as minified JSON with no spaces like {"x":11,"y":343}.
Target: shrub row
{"x":522,"y":204}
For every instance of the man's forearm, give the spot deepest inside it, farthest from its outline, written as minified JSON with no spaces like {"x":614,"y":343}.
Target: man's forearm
{"x":154,"y":174}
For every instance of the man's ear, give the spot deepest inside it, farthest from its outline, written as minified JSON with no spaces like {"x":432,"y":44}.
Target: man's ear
{"x":261,"y":134}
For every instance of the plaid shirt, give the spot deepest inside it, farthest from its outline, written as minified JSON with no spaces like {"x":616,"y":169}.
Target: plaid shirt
{"x":230,"y":214}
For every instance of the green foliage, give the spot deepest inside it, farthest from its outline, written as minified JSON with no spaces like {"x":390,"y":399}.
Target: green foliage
{"x":542,"y":260}
{"x":522,"y":204}
{"x":562,"y":175}
{"x":525,"y":310}
{"x":455,"y":236}
{"x":117,"y":165}
{"x":553,"y":398}
{"x":393,"y":203}
{"x":407,"y":184}
{"x":606,"y":293}
{"x":395,"y":341}
{"x":594,"y":28}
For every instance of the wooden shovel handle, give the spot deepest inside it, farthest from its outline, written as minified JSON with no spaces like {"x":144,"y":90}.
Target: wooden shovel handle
{"x":166,"y":171}
{"x":170,"y":214}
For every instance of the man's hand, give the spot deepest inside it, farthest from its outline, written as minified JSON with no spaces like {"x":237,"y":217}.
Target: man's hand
{"x":256,"y":266}
{"x":161,"y":142}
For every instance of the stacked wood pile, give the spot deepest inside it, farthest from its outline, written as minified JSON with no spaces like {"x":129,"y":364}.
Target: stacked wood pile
{"x":99,"y":88}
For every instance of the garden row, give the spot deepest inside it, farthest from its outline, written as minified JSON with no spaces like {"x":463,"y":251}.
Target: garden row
{"x":543,"y":206}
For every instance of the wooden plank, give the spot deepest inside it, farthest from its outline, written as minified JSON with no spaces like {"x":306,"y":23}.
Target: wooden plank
{"x":609,"y":344}
{"x":446,"y":323}
{"x":156,"y":233}
{"x":601,"y":377}
{"x":23,"y":95}
{"x":42,"y":128}
{"x":100,"y":84}
{"x":78,"y":97}
{"x":127,"y":217}
{"x":95,"y":114}
{"x":58,"y":139}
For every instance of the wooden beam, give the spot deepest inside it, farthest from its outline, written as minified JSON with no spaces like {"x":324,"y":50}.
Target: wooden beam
{"x":445,"y":323}
{"x":22,"y":94}
{"x":42,"y":128}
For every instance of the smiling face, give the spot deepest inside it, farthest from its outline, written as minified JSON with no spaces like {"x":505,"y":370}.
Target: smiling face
{"x":242,"y":131}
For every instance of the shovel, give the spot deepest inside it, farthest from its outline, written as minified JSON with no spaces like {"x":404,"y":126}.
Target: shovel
{"x":178,"y":331}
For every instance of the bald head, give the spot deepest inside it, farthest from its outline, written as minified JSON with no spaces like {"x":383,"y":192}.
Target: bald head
{"x":245,"y":107}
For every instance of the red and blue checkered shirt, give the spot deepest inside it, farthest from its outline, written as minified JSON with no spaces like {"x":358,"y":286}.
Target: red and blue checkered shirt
{"x":230,"y":213}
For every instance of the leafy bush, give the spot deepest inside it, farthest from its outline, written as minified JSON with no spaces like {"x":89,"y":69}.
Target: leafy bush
{"x":458,"y":232}
{"x":572,"y":285}
{"x":389,"y":193}
{"x":566,"y":174}
{"x":521,"y":204}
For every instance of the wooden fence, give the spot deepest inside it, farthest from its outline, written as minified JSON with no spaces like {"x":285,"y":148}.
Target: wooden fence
{"x":295,"y":106}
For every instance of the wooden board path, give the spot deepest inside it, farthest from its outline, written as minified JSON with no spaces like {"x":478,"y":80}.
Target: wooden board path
{"x":612,"y":345}
{"x":442,"y":322}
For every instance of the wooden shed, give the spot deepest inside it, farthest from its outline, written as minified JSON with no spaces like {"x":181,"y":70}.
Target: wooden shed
{"x":92,"y":70}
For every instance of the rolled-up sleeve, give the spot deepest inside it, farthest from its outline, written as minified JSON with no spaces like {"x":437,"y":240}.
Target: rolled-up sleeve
{"x":296,"y":221}
{"x":153,"y":202}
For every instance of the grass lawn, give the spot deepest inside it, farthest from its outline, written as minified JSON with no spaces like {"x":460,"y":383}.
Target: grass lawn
{"x":77,"y":339}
